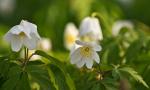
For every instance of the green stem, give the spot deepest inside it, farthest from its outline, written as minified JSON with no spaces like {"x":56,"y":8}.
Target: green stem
{"x":26,"y":58}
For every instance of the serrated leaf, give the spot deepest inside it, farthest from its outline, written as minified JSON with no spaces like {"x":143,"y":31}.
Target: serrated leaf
{"x":134,"y":74}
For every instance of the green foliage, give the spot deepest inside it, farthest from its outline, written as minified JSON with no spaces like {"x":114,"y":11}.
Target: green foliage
{"x":134,"y":74}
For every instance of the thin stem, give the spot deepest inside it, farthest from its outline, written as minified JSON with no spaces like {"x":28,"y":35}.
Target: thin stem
{"x":25,"y":53}
{"x":27,"y":58}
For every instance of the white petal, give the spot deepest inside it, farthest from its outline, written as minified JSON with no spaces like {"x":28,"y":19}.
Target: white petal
{"x":74,"y":47}
{"x":96,"y":29}
{"x":8,"y":36}
{"x":16,"y":43}
{"x":89,"y":63}
{"x":90,"y":27}
{"x":85,"y":26}
{"x":81,"y":63}
{"x":96,"y":57}
{"x":75,"y":56}
{"x":16,"y":30}
{"x":31,"y":43}
{"x":81,"y":43}
{"x":29,"y":28}
{"x":96,"y":47}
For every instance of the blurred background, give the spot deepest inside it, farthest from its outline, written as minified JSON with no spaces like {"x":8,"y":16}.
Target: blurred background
{"x":52,"y":16}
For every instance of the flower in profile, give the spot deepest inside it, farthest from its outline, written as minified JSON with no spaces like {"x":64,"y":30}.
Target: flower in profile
{"x":24,"y":34}
{"x":90,"y":29}
{"x":118,"y":25}
{"x":70,"y":35}
{"x":45,"y":44}
{"x":86,"y":53}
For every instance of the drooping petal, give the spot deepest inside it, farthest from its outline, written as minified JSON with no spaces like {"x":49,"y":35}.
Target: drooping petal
{"x":74,"y":47}
{"x":85,"y":26}
{"x":31,"y":43}
{"x":96,"y":29}
{"x":16,"y":30}
{"x":81,"y":43}
{"x":81,"y":63}
{"x":28,"y":28}
{"x":96,"y":47}
{"x":90,"y":27}
{"x":96,"y":57}
{"x":16,"y":43}
{"x":8,"y":36}
{"x":89,"y":63}
{"x":75,"y":56}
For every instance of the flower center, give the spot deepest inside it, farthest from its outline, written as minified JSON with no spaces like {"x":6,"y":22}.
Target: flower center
{"x":86,"y":51}
{"x":22,"y":34}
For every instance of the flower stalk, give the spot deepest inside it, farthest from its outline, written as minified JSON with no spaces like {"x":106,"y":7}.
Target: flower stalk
{"x":26,"y":58}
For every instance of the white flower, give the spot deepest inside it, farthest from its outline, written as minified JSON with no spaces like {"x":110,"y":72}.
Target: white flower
{"x":85,"y":54}
{"x":70,"y":35}
{"x":30,"y":52}
{"x":24,"y":34}
{"x":45,"y":44}
{"x":90,"y":27}
{"x":118,"y":25}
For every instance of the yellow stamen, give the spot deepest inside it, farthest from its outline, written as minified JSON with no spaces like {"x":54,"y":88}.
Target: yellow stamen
{"x":21,"y":34}
{"x":86,"y":51}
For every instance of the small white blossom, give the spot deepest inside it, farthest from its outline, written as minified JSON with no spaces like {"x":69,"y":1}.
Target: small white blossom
{"x":30,"y":52}
{"x":90,"y":28}
{"x":45,"y":44}
{"x":24,"y":34}
{"x":118,"y":25}
{"x":85,"y":53}
{"x":70,"y":35}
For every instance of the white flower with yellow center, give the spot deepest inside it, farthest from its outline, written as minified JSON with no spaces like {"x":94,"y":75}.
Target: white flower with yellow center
{"x":70,"y":35}
{"x":86,"y":53}
{"x":24,"y":34}
{"x":90,"y":29}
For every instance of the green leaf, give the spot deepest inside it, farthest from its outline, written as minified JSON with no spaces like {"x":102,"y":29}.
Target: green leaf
{"x":52,"y":78}
{"x":23,"y":83}
{"x":133,"y":51}
{"x":110,"y":84}
{"x":134,"y":74}
{"x":60,"y":65}
{"x":17,"y":80}
{"x":38,"y":74}
{"x":59,"y":79}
